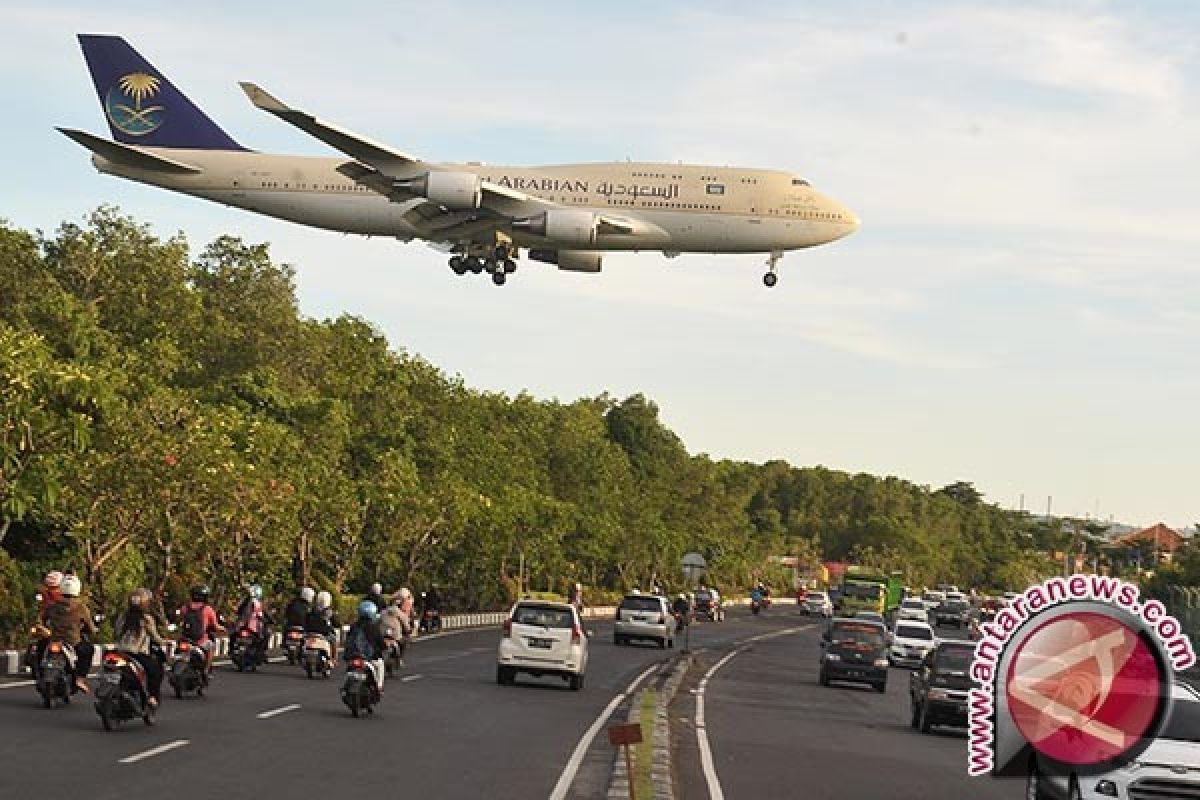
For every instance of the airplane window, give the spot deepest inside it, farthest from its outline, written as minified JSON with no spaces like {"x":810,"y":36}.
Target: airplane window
{"x":715,"y":188}
{"x":800,"y":182}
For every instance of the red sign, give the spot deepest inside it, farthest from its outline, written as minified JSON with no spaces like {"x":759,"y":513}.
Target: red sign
{"x":1085,"y":688}
{"x":625,"y":734}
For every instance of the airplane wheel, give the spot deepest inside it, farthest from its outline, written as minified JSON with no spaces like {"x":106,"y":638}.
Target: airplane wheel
{"x":510,"y":266}
{"x":499,"y":277}
{"x":770,"y":279}
{"x":475,"y":265}
{"x":457,"y":264}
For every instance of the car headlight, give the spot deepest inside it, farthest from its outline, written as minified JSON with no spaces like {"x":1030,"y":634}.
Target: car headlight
{"x":939,"y":694}
{"x":832,"y":657}
{"x":1106,"y":788}
{"x":881,"y":662}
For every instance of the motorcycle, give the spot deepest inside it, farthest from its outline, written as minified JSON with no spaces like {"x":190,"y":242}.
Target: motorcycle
{"x":293,"y":643}
{"x":122,"y":693}
{"x":393,"y":654}
{"x":55,"y":674}
{"x":359,"y":691}
{"x":431,"y":620}
{"x":317,"y":656}
{"x":189,"y":670}
{"x":247,"y":650}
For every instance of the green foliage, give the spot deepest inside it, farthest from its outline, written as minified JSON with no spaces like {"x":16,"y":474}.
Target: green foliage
{"x":168,"y":420}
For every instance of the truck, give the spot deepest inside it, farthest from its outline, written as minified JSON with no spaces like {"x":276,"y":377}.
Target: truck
{"x":867,"y":589}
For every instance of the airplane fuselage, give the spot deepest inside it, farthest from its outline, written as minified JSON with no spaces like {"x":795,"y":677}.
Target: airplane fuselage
{"x":688,"y":208}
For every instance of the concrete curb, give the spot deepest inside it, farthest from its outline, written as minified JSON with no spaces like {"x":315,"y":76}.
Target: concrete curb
{"x":667,"y":682}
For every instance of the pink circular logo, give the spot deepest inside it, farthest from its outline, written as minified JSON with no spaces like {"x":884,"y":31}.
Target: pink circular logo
{"x":1085,"y":688}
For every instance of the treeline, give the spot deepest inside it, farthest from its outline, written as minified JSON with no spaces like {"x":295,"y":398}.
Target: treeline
{"x":168,"y":418}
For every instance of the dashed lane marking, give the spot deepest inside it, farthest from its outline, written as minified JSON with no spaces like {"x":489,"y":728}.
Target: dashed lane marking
{"x":154,"y":751}
{"x":275,"y":712}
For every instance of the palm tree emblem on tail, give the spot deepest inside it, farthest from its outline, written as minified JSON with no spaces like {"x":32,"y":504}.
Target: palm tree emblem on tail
{"x":125,"y":104}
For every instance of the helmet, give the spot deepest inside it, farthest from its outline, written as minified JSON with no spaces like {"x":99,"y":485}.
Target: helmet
{"x":200,"y":594}
{"x":53,"y":578}
{"x":376,"y":588}
{"x":71,"y":586}
{"x":404,"y":593}
{"x":324,"y":600}
{"x":140,"y":598}
{"x":255,"y":591}
{"x":307,"y":594}
{"x":367,"y":610}
{"x":682,"y":596}
{"x":579,"y":586}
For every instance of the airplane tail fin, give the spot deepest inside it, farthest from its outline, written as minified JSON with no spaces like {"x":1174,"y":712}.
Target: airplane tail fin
{"x":141,"y":105}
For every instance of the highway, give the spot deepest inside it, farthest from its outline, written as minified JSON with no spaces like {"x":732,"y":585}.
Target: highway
{"x":446,"y":730}
{"x":773,"y":732}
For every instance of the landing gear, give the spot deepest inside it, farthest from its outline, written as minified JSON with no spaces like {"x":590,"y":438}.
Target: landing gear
{"x":772,"y":276}
{"x":458,"y":264}
{"x":499,"y":277}
{"x":474,"y":264}
{"x":499,"y":262}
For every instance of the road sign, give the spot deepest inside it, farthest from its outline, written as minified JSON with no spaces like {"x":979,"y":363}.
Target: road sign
{"x":625,"y":734}
{"x":694,"y":566}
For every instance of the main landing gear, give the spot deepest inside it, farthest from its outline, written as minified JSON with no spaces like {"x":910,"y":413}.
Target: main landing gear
{"x":499,"y":263}
{"x":772,"y":276}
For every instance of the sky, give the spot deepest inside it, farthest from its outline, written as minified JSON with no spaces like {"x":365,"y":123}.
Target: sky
{"x":1020,"y":309}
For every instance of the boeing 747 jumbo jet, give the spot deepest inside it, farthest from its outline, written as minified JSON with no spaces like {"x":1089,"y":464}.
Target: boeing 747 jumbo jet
{"x":568,"y":215}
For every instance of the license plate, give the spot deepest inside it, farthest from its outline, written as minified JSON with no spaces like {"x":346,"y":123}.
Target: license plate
{"x":544,"y":644}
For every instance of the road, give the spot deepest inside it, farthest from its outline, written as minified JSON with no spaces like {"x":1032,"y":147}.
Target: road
{"x":774,"y":732}
{"x":444,"y":730}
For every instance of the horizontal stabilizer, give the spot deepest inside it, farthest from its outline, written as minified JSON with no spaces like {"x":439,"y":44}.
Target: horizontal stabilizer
{"x":127,"y":154}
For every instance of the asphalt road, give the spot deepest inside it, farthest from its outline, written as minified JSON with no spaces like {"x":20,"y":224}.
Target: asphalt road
{"x":445,"y":729}
{"x":774,"y":732}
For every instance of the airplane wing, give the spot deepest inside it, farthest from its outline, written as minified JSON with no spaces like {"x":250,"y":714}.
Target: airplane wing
{"x":388,"y":164}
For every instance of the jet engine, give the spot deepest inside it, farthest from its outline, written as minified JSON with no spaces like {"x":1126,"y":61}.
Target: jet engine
{"x":563,"y":225}
{"x":459,"y":191}
{"x":571,"y":260}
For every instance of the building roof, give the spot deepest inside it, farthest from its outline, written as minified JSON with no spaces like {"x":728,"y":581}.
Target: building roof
{"x":1160,"y":535}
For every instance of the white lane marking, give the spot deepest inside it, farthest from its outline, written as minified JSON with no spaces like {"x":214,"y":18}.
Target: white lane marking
{"x":706,"y":757}
{"x":568,"y":774}
{"x":408,"y":678}
{"x":15,"y":684}
{"x":275,"y":712}
{"x":154,"y":751}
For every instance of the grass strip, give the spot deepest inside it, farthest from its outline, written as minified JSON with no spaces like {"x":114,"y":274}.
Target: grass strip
{"x":643,"y":756}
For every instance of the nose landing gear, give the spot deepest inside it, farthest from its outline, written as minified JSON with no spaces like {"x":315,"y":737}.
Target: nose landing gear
{"x":772,"y":276}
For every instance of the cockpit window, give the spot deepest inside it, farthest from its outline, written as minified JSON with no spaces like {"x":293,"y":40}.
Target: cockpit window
{"x":800,"y":182}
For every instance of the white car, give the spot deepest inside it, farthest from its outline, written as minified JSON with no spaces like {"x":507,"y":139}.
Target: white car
{"x":911,"y":642}
{"x":1169,"y":767}
{"x":913,"y":608}
{"x":542,"y":638}
{"x":817,"y":603}
{"x":644,"y":616}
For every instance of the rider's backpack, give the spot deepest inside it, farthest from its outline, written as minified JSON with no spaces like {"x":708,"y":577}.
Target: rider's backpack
{"x":193,"y":623}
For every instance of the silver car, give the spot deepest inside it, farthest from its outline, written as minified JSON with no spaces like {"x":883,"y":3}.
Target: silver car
{"x":1169,"y":767}
{"x":816,"y":603}
{"x":644,"y":616}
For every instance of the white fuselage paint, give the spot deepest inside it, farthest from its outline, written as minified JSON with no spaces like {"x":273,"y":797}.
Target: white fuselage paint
{"x":755,"y":211}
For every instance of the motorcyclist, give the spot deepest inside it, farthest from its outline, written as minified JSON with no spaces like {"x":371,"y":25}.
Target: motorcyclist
{"x":253,"y":617}
{"x":322,"y":620}
{"x":51,"y":592}
{"x":376,"y":596}
{"x":297,"y":609}
{"x":757,"y":596}
{"x":199,"y":623}
{"x":71,"y":621}
{"x":137,"y":635}
{"x":682,"y":608}
{"x":577,"y":598}
{"x":393,"y":619}
{"x":365,"y":640}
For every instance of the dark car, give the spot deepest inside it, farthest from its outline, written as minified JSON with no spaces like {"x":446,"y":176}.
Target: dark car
{"x":953,"y":612}
{"x":855,"y":650}
{"x":938,"y":690}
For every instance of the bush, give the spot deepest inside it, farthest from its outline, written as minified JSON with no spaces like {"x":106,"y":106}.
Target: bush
{"x":18,"y":610}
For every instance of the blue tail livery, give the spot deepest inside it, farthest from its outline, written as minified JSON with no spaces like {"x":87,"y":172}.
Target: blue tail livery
{"x":141,"y":105}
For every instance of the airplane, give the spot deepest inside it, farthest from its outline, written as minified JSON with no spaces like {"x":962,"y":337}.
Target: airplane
{"x":483,"y":216}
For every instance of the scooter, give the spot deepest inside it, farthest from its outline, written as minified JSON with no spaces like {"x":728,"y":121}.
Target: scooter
{"x":431,"y":620}
{"x":317,"y":656}
{"x":55,"y":674}
{"x":188,"y":669}
{"x":359,"y":691}
{"x":393,"y":654}
{"x":247,"y":650}
{"x":293,"y":643}
{"x":122,"y":693}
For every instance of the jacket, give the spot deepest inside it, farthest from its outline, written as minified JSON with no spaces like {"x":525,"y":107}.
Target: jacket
{"x":140,"y":638}
{"x":69,"y":619}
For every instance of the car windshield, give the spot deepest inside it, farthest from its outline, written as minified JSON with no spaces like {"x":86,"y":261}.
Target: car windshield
{"x":641,"y":603}
{"x":913,"y":632}
{"x":954,"y":605}
{"x":955,"y":659}
{"x":815,"y":597}
{"x":1183,"y":724}
{"x":868,"y":591}
{"x":860,"y":634}
{"x":917,"y":604}
{"x":543,"y":616}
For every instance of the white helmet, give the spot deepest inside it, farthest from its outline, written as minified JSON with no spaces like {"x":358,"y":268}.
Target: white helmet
{"x":376,"y":588}
{"x":404,"y":593}
{"x":71,"y":586}
{"x":307,"y":594}
{"x":324,"y":600}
